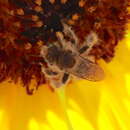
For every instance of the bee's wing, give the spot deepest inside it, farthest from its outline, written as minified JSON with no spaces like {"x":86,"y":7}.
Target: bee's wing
{"x":87,"y":70}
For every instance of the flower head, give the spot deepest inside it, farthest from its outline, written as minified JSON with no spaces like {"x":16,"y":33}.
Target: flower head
{"x":101,"y":105}
{"x":49,"y":40}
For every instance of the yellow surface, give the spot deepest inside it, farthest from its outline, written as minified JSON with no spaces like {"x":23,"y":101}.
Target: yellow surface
{"x":90,"y":106}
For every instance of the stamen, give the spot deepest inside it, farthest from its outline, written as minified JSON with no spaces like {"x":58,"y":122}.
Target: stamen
{"x":71,"y":22}
{"x":38,"y":2}
{"x":63,"y":1}
{"x":82,"y":3}
{"x":39,"y":24}
{"x":52,"y":1}
{"x":75,"y":17}
{"x":40,"y":43}
{"x":28,"y":46}
{"x":20,"y":12}
{"x":35,"y":17}
{"x":38,"y":9}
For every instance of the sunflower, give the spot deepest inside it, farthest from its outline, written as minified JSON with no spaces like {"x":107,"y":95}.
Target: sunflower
{"x":81,"y":104}
{"x":103,"y":105}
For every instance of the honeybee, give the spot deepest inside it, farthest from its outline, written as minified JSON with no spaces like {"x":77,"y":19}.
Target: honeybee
{"x":67,"y":58}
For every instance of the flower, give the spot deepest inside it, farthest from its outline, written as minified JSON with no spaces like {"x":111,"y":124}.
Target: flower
{"x":80,"y":105}
{"x":91,"y":106}
{"x":31,"y":32}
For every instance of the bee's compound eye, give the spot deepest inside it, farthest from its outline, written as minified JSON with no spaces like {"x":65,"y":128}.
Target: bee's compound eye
{"x":66,"y":60}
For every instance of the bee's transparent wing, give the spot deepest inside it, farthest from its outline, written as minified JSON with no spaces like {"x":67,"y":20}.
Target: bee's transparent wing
{"x":87,"y":70}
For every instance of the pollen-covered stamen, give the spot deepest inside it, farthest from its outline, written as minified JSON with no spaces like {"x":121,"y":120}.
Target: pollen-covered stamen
{"x":20,"y":11}
{"x":38,"y":9}
{"x":82,"y":3}
{"x":28,"y":46}
{"x":38,"y":2}
{"x":35,"y":18}
{"x":52,"y":1}
{"x":75,"y":17}
{"x":39,"y":24}
{"x":63,"y":1}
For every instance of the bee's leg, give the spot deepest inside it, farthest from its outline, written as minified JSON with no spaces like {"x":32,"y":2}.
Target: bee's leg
{"x":60,"y":80}
{"x":70,"y":34}
{"x":66,"y":45}
{"x":90,"y":41}
{"x":52,"y":77}
{"x":51,"y":71}
{"x":68,"y":38}
{"x":65,"y":78}
{"x":55,"y":77}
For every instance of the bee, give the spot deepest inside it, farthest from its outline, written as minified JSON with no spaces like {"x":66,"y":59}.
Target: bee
{"x":66,"y":58}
